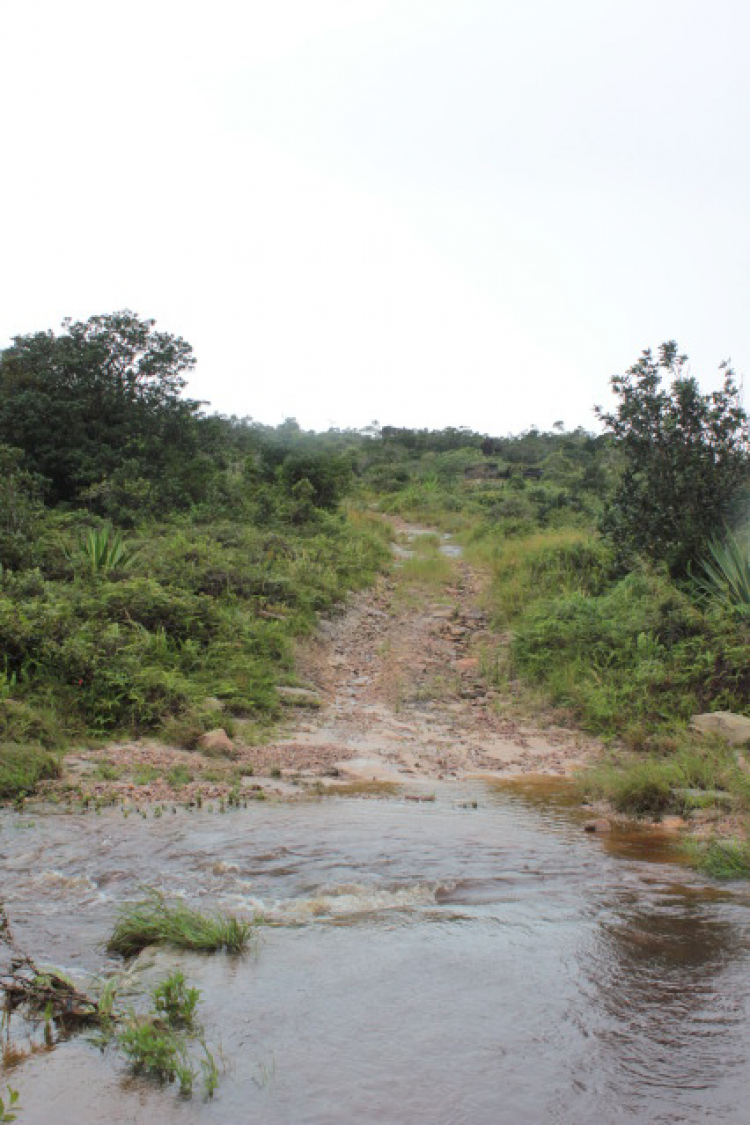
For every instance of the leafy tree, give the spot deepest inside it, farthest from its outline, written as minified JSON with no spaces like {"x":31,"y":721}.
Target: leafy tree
{"x":683,"y":456}
{"x":20,"y":509}
{"x":101,"y":393}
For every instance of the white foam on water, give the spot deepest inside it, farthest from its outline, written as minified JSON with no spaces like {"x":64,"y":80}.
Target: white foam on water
{"x":339,"y":900}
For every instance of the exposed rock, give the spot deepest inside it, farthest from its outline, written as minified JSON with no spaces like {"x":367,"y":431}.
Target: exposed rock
{"x":600,"y":825}
{"x":734,"y":728}
{"x":673,"y":822}
{"x":467,"y":664}
{"x":299,"y":697}
{"x":217,"y":743}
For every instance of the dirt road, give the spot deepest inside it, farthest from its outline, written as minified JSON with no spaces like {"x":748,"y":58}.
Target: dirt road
{"x":408,"y":684}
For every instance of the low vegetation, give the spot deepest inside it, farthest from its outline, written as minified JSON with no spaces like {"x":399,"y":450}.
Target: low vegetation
{"x":166,"y":1043}
{"x":156,"y":921}
{"x":163,"y":1044}
{"x":722,"y":859}
{"x":23,"y":767}
{"x":8,"y":1105}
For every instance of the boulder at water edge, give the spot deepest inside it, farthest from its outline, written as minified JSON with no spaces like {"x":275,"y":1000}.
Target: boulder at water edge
{"x":734,"y":728}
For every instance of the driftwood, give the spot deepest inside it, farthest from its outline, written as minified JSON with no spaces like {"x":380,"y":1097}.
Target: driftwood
{"x":40,"y":990}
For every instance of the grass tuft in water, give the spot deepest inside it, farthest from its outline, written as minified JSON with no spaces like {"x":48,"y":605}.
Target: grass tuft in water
{"x":723,"y":859}
{"x":155,"y":921}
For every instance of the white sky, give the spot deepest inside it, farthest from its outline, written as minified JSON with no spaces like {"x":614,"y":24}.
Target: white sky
{"x":429,"y":212}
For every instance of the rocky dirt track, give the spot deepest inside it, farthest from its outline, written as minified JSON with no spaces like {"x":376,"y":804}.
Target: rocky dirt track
{"x":405,"y":676}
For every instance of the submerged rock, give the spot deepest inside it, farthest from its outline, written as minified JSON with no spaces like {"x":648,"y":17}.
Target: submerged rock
{"x":600,"y":825}
{"x":734,"y":728}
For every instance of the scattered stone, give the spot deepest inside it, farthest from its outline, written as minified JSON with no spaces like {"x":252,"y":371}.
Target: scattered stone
{"x":734,"y":728}
{"x":703,"y":797}
{"x":600,"y":825}
{"x":674,"y":822}
{"x":217,"y":743}
{"x":299,"y":697}
{"x":467,"y":664}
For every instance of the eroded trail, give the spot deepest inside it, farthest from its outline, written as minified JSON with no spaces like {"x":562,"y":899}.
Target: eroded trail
{"x":405,"y":675}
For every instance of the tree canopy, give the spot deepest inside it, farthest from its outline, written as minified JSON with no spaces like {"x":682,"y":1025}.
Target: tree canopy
{"x":101,"y":395}
{"x":683,"y":456}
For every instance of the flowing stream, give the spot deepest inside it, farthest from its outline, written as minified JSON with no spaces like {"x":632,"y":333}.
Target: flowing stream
{"x":424,"y":963}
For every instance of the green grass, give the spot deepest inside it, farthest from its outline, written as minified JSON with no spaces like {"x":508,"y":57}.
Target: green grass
{"x":196,"y":633}
{"x":155,"y":921}
{"x":653,"y":785}
{"x":639,"y":658}
{"x":427,"y":570}
{"x":542,"y":563}
{"x":22,"y":768}
{"x":175,"y":1001}
{"x":722,"y":859}
{"x":178,"y":776}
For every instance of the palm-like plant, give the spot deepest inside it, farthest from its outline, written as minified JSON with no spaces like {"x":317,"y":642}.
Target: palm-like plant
{"x":726,"y":572}
{"x":103,"y":549}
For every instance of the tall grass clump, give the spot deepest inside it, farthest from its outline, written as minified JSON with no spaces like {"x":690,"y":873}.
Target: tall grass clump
{"x":22,"y":768}
{"x":689,"y":773}
{"x":722,"y":859}
{"x":155,"y":921}
{"x":546,"y":562}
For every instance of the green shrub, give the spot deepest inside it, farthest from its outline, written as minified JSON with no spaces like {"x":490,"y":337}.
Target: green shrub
{"x":22,"y":768}
{"x":642,"y":652}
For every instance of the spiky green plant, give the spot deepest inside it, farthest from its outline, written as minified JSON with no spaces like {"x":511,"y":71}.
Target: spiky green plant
{"x":726,"y":572}
{"x":103,"y":550}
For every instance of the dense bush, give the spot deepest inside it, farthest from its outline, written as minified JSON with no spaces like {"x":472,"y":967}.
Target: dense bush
{"x":210,"y":611}
{"x":642,"y":653}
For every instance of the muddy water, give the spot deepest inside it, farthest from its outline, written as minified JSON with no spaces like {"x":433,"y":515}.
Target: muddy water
{"x":429,"y":963}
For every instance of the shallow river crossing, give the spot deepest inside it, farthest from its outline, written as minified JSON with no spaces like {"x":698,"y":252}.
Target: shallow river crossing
{"x":423,"y":963}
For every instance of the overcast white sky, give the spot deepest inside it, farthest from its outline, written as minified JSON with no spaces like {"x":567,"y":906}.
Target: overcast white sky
{"x":427,"y":212}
